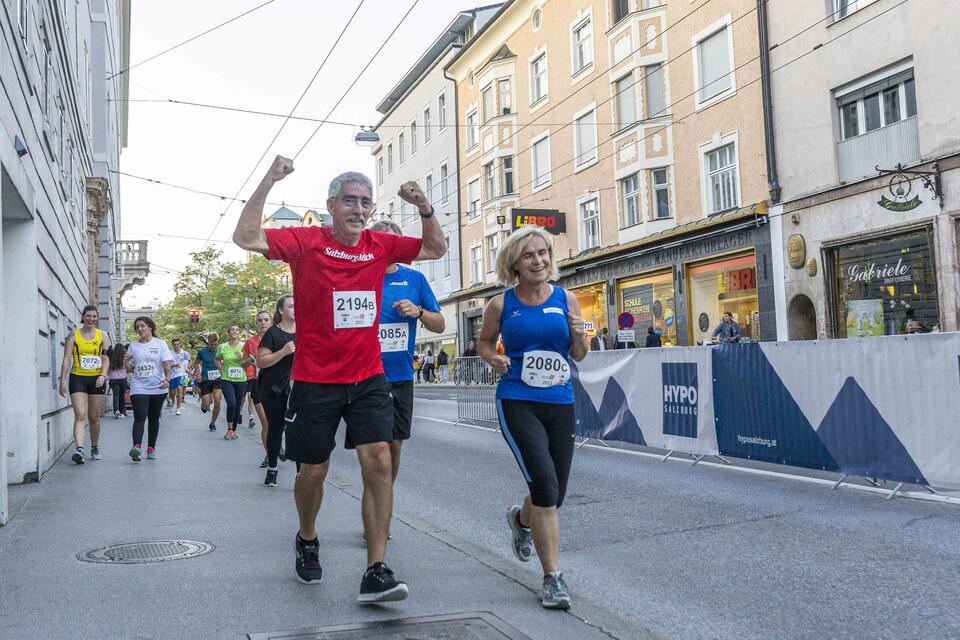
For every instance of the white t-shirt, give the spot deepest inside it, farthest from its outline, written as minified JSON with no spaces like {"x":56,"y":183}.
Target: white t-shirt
{"x":180,"y":362}
{"x":148,"y":359}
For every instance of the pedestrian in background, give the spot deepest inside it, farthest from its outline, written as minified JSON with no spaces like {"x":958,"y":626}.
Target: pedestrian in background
{"x":653,"y":338}
{"x":443,"y":361}
{"x":118,"y":378}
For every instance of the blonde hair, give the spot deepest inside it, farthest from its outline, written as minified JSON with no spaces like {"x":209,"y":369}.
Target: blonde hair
{"x":510,"y":252}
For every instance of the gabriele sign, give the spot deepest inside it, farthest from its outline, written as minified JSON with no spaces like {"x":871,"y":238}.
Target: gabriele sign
{"x":884,"y":274}
{"x":550,"y":219}
{"x":900,"y":189}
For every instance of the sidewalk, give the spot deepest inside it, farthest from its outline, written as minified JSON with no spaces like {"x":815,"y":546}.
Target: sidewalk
{"x":206,"y":489}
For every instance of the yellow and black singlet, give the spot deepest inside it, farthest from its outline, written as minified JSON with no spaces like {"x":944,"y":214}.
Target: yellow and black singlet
{"x":86,"y":354}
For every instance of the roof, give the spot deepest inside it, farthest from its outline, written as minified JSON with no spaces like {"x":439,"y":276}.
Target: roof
{"x":284,"y":214}
{"x":503,"y":53}
{"x":506,"y":5}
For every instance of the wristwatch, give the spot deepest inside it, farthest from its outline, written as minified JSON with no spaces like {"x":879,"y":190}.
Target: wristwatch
{"x":429,"y":215}
{"x":420,"y":315}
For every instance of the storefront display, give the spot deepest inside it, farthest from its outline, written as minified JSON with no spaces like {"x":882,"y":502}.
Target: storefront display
{"x":885,"y":286}
{"x":650,"y":300}
{"x":593,"y":306}
{"x":722,"y":286}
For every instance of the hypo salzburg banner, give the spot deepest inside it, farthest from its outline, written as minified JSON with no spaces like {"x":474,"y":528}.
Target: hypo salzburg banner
{"x":654,"y":397}
{"x":883,"y":407}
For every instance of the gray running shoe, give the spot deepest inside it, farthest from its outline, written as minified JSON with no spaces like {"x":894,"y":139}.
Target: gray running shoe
{"x":94,"y":453}
{"x":521,"y":538}
{"x":555,"y":594}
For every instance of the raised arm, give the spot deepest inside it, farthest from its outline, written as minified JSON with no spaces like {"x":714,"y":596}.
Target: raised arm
{"x":249,"y":233}
{"x":434,"y":246}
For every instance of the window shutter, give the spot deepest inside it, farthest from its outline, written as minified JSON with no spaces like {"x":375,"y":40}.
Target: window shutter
{"x":714,"y":65}
{"x":654,"y":81}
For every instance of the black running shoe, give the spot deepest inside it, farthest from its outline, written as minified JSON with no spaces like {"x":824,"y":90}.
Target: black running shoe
{"x":379,"y":585}
{"x":308,"y":561}
{"x":271,"y":479}
{"x":213,"y":427}
{"x":264,"y":463}
{"x":77,"y":456}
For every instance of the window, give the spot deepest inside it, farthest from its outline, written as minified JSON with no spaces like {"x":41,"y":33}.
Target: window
{"x":379,"y":169}
{"x":626,"y":104}
{"x":878,"y":105}
{"x":390,"y":209}
{"x":473,"y":200}
{"x":650,"y":299}
{"x":713,"y":60}
{"x":585,"y":134}
{"x":653,"y":82}
{"x":488,"y":110}
{"x":489,"y":191}
{"x":431,"y":276}
{"x":492,"y":249}
{"x":471,"y":129}
{"x":631,"y":201}
{"x":541,"y":162}
{"x":476,"y":265}
{"x":505,"y":96}
{"x":661,"y":193}
{"x":843,"y":8}
{"x":538,"y":78}
{"x":536,"y":20}
{"x":429,"y":184}
{"x":442,"y":111}
{"x":400,"y":148}
{"x":721,"y":179}
{"x":506,"y":178}
{"x":413,"y":137}
{"x":620,"y":10}
{"x":582,"y":46}
{"x":589,"y":224}
{"x":426,"y":125}
{"x":446,"y":258}
{"x":390,"y":158}
{"x":444,"y":188}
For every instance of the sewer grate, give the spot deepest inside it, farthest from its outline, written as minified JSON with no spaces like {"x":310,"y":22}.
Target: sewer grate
{"x":141,"y":552}
{"x":480,"y":625}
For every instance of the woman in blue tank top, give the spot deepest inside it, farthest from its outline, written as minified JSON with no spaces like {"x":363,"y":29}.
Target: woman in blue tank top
{"x":541,"y":329}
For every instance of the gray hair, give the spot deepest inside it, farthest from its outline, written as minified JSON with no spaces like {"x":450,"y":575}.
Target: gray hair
{"x":388,"y":226}
{"x":336,"y":185}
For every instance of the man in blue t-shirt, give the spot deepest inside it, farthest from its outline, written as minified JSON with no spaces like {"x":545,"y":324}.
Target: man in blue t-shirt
{"x":407,"y":299}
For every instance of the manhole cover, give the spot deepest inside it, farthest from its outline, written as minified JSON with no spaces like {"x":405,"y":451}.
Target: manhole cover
{"x":140,"y":552}
{"x":461,"y":626}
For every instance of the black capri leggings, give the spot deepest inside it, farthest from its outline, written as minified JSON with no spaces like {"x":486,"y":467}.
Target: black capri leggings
{"x":233,"y":393}
{"x":274,"y":408}
{"x":541,"y":438}
{"x":147,"y":408}
{"x":118,"y":387}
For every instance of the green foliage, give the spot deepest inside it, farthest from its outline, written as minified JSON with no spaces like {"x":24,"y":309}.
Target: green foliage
{"x":203,"y":286}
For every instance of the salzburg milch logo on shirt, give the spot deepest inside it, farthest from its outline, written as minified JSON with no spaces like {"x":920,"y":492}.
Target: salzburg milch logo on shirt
{"x":343,"y":255}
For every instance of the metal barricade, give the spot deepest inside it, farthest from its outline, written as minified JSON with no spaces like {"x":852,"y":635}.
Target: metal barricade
{"x":476,"y":390}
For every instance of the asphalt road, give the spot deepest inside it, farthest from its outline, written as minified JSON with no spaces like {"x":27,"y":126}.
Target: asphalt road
{"x":697,"y":552}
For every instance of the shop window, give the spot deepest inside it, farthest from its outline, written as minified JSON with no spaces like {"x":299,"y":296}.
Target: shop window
{"x":885,"y":286}
{"x":650,"y":299}
{"x":593,"y":307}
{"x":718,"y":287}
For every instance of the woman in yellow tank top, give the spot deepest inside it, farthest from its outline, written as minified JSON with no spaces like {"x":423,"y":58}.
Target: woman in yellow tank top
{"x":85,"y":358}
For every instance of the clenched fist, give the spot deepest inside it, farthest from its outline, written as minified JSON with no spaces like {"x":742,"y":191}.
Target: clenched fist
{"x":280,"y":169}
{"x":412,"y":193}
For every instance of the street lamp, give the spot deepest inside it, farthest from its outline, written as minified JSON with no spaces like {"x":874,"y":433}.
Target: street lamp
{"x":366,"y":137}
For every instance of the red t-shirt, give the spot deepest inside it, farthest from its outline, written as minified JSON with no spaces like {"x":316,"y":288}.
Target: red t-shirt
{"x":323,"y":269}
{"x":250,"y":351}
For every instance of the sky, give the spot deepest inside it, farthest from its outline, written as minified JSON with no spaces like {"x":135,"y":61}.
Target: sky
{"x":262,"y":62}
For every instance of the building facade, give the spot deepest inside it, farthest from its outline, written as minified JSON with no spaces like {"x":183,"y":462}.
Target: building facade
{"x":63,"y":121}
{"x":418,"y":141}
{"x":637,"y":125}
{"x":859,"y":254}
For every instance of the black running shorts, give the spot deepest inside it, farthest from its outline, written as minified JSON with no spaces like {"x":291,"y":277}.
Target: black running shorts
{"x":314,"y":411}
{"x":253,"y":386}
{"x":401,"y":393}
{"x":86,"y":384}
{"x":207,"y":387}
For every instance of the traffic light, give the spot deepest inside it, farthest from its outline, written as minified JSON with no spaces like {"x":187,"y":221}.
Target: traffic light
{"x":194,"y":316}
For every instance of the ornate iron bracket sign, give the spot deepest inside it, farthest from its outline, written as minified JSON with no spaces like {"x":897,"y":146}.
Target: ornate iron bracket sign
{"x":901,"y":187}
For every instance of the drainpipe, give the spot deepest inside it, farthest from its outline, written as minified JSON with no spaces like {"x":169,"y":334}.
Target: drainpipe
{"x":773,"y":182}
{"x":461,"y":332}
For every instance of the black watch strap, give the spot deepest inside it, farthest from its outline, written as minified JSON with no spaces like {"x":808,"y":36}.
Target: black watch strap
{"x":429,"y":215}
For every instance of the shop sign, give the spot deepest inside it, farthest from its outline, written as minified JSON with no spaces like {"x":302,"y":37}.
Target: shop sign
{"x":550,"y":219}
{"x":638,"y":301}
{"x":900,"y":188}
{"x":588,"y":326}
{"x":886,"y":273}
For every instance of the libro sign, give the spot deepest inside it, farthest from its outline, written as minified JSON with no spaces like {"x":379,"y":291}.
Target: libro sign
{"x":550,"y":219}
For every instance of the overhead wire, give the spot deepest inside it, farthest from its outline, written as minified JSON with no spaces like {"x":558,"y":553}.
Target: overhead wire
{"x":189,"y":40}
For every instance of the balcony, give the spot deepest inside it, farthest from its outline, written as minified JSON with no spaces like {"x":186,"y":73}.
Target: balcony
{"x":132,"y":263}
{"x":858,"y":157}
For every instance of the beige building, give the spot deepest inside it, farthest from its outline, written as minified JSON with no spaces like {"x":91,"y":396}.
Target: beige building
{"x":632,"y":125}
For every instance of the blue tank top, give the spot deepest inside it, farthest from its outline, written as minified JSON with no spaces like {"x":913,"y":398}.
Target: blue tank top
{"x":525,"y":328}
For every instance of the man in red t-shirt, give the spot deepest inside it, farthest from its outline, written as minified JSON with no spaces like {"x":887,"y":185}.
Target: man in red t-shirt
{"x":337,"y":373}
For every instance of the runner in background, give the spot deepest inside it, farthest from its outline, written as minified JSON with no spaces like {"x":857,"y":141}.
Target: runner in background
{"x":233,"y":379}
{"x":179,"y":374}
{"x":208,"y":373}
{"x":149,"y":361}
{"x":118,"y":378}
{"x":275,"y":359}
{"x":264,"y":321}
{"x":84,"y":356}
{"x":541,"y":329}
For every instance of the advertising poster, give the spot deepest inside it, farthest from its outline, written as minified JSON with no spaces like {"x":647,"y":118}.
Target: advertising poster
{"x":864,"y":318}
{"x":638,"y":301}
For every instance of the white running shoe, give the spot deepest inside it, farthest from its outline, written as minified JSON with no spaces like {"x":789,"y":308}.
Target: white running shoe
{"x":179,"y":411}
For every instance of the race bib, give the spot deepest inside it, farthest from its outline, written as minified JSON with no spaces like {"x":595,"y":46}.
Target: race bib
{"x":145,"y":370}
{"x":354,"y":309}
{"x":544,"y":369}
{"x":213,"y":374}
{"x":90,"y":363}
{"x":394,"y":336}
{"x":235,"y":372}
